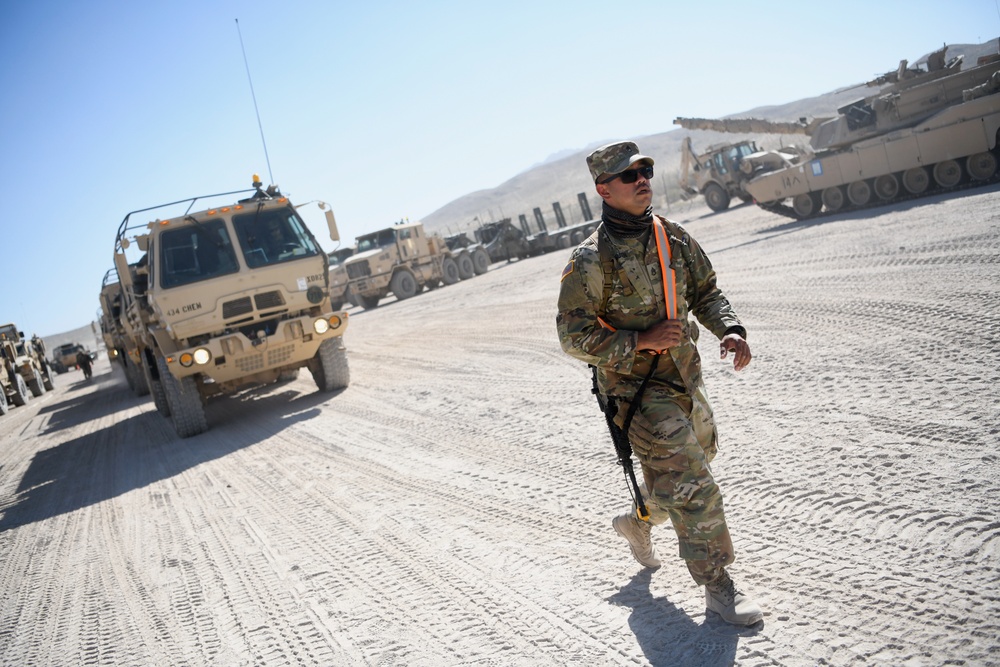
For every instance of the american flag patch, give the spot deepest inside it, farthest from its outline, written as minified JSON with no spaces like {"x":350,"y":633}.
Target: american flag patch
{"x":568,"y":270}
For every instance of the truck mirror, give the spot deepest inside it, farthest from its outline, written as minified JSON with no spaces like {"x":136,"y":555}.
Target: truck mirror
{"x":330,"y":221}
{"x":142,"y":242}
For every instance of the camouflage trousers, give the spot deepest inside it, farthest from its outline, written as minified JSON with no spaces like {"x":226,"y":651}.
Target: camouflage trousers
{"x":673,"y":436}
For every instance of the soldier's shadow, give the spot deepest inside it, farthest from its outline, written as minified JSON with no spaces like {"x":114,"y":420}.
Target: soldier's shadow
{"x":668,"y":636}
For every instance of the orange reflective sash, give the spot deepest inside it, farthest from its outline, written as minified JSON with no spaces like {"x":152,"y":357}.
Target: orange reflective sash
{"x":666,"y":270}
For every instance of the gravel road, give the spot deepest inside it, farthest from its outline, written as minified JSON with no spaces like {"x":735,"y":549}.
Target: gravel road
{"x":453,"y":505}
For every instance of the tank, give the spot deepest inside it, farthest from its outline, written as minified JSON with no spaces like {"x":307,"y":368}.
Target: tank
{"x":929,"y":128}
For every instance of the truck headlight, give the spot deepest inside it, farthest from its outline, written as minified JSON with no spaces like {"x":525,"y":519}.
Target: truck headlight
{"x":321,"y":326}
{"x":201,"y":356}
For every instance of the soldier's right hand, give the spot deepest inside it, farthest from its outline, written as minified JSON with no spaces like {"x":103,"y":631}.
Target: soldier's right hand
{"x":661,"y":336}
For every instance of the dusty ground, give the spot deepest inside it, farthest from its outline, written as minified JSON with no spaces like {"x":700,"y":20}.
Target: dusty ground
{"x":453,"y":506}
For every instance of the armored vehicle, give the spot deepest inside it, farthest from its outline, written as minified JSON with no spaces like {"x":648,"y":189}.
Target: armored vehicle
{"x":26,"y":360}
{"x":930,"y":128}
{"x":404,"y":259}
{"x":502,"y":240}
{"x":227,"y":297}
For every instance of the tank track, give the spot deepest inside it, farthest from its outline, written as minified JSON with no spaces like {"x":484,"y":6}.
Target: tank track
{"x":968,"y":184}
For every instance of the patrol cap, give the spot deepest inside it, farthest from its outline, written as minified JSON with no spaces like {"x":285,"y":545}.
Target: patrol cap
{"x":614,"y":158}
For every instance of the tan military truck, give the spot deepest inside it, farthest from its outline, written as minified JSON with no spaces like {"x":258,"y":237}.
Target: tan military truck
{"x":404,"y":259}
{"x":227,"y":297}
{"x":13,"y":390}
{"x":122,"y":349}
{"x":23,"y":358}
{"x":339,"y":294}
{"x":64,"y":357}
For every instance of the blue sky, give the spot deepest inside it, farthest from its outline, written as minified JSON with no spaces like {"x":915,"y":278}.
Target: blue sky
{"x":383,"y":109}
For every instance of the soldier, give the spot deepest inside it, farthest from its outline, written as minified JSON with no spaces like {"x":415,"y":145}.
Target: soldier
{"x":84,"y":362}
{"x":624,"y":302}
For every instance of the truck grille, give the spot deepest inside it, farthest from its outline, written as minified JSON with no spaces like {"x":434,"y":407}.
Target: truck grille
{"x":269,"y":300}
{"x":358,"y":269}
{"x":252,"y":363}
{"x":237,"y":307}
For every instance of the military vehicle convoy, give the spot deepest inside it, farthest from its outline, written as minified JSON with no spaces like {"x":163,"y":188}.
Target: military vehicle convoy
{"x":25,"y":368}
{"x":227,"y":297}
{"x":930,"y":128}
{"x":404,"y":259}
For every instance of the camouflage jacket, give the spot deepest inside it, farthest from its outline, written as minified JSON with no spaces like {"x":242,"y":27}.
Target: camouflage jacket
{"x":636,"y":306}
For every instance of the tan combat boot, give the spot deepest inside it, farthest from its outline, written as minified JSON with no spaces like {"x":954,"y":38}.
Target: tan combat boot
{"x":637,"y":533}
{"x":733,"y":606}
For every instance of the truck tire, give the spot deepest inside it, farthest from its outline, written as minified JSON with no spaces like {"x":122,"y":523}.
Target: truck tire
{"x":21,"y":395}
{"x":35,"y":385}
{"x":403,"y":284}
{"x":367,"y":302}
{"x":450,"y":270}
{"x":716,"y":198}
{"x":186,"y":410}
{"x":329,"y":367}
{"x":4,"y":408}
{"x":563,"y":242}
{"x":466,"y":269}
{"x":136,"y":379}
{"x":480,"y":261}
{"x":47,"y":379}
{"x":155,"y":388}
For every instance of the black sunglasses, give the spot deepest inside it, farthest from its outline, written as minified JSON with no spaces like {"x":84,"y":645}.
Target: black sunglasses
{"x":632,"y":175}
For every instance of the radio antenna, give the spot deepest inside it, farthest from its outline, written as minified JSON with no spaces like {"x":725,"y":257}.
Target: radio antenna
{"x":259,"y":125}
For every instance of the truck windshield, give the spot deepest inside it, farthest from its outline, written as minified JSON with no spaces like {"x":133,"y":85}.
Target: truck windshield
{"x":273,"y":236}
{"x":196,"y":252}
{"x":386,"y":237}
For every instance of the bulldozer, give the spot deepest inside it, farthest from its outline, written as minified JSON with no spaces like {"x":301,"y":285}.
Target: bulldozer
{"x":720,"y":173}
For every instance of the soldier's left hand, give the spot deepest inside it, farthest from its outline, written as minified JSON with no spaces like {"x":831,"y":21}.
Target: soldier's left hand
{"x":739,"y":347}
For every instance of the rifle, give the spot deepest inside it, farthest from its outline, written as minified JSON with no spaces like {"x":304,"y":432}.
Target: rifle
{"x":619,"y":436}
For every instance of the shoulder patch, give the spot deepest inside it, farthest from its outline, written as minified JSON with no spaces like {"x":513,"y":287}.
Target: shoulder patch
{"x":568,"y":270}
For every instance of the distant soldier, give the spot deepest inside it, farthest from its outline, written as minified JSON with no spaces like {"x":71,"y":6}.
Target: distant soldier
{"x":84,"y":362}
{"x":623,"y":308}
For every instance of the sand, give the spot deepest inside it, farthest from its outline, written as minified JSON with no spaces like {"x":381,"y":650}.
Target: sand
{"x":453,"y":505}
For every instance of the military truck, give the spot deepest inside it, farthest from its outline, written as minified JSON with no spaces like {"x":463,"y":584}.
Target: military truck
{"x":339,"y":294}
{"x":13,"y":390}
{"x":458,"y":243}
{"x":404,"y":259}
{"x":64,"y":357}
{"x":121,"y":346}
{"x":227,"y":297}
{"x":930,"y":128}
{"x":25,"y":359}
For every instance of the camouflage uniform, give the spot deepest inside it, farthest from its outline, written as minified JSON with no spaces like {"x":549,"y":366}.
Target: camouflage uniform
{"x":673,"y":433}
